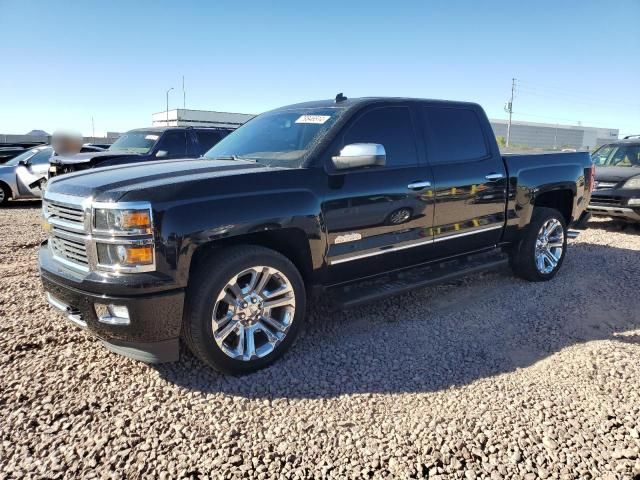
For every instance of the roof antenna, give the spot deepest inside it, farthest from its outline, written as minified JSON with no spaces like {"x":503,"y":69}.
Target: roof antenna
{"x":340,"y":98}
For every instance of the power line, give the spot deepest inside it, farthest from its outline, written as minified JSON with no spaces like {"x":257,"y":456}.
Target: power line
{"x":560,"y":93}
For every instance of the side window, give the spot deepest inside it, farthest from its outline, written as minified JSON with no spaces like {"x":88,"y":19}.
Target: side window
{"x":207,"y":139}
{"x":41,"y":157}
{"x":453,"y":135}
{"x":174,"y":143}
{"x":392,"y":128}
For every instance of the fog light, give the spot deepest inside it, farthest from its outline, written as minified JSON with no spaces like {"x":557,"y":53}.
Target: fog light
{"x":634,"y":201}
{"x":112,"y":314}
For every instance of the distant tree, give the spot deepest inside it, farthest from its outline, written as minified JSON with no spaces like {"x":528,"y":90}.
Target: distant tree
{"x":501,"y":141}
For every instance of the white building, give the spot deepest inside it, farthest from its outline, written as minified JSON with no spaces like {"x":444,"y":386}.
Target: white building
{"x":198,"y":118}
{"x":555,"y":136}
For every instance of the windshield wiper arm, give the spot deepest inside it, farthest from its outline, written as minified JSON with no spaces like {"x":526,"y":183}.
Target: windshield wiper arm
{"x":236,"y":157}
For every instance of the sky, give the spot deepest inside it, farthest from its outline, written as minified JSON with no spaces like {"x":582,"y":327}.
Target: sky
{"x":64,"y":62}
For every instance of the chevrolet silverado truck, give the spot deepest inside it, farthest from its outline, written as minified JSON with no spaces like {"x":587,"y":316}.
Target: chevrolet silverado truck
{"x":617,"y":182}
{"x":348,"y":200}
{"x":143,"y":145}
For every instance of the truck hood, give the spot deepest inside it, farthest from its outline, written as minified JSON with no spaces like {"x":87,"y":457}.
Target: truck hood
{"x":615,"y":174}
{"x":112,"y":183}
{"x":87,"y":157}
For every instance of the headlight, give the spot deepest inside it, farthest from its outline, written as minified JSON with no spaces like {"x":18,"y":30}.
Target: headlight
{"x":125,"y":257}
{"x":129,"y":221}
{"x":633,"y":182}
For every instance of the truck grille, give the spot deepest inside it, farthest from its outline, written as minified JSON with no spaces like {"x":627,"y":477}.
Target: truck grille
{"x":69,"y":250}
{"x":66,"y":239}
{"x":62,"y":213}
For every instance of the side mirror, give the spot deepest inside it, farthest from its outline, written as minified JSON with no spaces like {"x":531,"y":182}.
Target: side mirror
{"x":162,"y":153}
{"x":358,"y":155}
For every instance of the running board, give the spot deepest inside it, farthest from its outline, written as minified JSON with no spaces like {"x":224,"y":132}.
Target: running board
{"x":357,"y":293}
{"x":571,"y":234}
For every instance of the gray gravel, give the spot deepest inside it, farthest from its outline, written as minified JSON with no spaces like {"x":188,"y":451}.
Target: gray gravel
{"x":490,"y":377}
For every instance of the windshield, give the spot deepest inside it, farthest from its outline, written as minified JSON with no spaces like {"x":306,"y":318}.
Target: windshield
{"x":617,"y":155}
{"x":282,"y":138}
{"x":137,"y":142}
{"x":22,"y":157}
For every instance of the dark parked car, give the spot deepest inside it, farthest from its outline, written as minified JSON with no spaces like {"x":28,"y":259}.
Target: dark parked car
{"x":352,"y":200}
{"x":144,"y":145}
{"x":617,"y":188}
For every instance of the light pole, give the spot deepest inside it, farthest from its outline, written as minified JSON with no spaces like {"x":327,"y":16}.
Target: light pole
{"x":168,"y":105}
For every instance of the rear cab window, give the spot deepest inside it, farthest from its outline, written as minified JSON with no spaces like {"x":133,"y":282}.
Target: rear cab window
{"x":207,"y":139}
{"x":453,"y":134}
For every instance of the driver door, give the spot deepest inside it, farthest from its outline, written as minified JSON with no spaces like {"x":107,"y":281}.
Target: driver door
{"x":379,"y":218}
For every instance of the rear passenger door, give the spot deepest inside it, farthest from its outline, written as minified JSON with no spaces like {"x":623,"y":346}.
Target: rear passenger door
{"x":469,"y":176}
{"x":378,"y":218}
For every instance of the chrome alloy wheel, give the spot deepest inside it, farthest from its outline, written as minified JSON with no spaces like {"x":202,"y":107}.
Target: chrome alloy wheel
{"x":253,"y":313}
{"x":549,"y":246}
{"x":400,"y":216}
{"x":1,"y":194}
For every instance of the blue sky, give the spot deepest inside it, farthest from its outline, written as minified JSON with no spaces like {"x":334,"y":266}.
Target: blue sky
{"x":64,"y":62}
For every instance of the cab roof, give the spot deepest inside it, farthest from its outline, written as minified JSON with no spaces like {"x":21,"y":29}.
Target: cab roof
{"x":363,"y":101}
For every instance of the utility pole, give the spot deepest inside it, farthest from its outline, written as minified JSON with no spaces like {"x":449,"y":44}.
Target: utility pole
{"x":93,"y":130}
{"x":184,"y":95}
{"x":168,"y":105}
{"x":509,"y":109}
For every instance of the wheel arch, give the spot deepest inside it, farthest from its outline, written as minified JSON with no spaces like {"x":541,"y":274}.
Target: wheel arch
{"x":561,"y":199}
{"x":290,"y":242}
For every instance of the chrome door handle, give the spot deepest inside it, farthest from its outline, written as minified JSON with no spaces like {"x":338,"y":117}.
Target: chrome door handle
{"x":494,"y":176}
{"x":418,"y":185}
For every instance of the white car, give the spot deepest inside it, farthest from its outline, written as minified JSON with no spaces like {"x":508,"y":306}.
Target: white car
{"x":20,"y":177}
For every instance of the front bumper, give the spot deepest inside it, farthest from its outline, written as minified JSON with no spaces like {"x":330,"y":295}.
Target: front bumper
{"x":614,"y":202}
{"x":618,"y":212}
{"x":155,"y":317}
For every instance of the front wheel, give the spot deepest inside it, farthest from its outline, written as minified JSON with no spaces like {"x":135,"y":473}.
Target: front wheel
{"x":245,"y":306}
{"x":542,"y":249}
{"x":5,"y":193}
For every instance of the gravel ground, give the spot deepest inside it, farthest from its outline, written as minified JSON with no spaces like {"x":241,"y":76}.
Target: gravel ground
{"x":490,"y":377}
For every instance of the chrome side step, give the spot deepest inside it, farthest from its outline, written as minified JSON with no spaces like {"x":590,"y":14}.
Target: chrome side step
{"x":358,"y":293}
{"x":571,"y":234}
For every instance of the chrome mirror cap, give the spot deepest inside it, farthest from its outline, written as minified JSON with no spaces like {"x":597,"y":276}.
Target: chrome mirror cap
{"x":357,"y":155}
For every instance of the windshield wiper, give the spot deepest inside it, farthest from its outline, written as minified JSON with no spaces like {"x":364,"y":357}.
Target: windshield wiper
{"x":235,"y":158}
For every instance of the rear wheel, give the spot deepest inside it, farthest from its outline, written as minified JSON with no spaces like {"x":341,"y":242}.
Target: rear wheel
{"x":245,"y":307}
{"x":542,"y":249}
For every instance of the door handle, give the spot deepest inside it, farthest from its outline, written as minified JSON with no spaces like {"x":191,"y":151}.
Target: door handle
{"x":418,"y":185}
{"x":494,"y":176}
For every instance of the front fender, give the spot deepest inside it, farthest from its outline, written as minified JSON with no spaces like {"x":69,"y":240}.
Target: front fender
{"x":185,"y":227}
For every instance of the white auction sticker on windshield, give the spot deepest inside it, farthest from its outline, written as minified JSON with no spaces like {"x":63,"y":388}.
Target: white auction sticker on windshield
{"x":319,"y":119}
{"x":151,"y":137}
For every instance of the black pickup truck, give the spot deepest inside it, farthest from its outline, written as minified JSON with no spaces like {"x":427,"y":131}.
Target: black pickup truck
{"x":352,"y":200}
{"x":143,"y":145}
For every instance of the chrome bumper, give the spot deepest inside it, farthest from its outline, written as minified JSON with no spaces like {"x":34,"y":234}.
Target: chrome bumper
{"x":72,"y":315}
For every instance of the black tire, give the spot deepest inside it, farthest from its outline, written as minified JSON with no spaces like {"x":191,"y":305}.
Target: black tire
{"x":523,"y":256}
{"x":210,"y":279}
{"x":6,"y":193}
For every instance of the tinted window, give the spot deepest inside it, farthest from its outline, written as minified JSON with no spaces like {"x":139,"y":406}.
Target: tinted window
{"x":454,"y":135}
{"x":174,"y":143}
{"x":392,"y":128}
{"x":41,"y":157}
{"x":207,"y":139}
